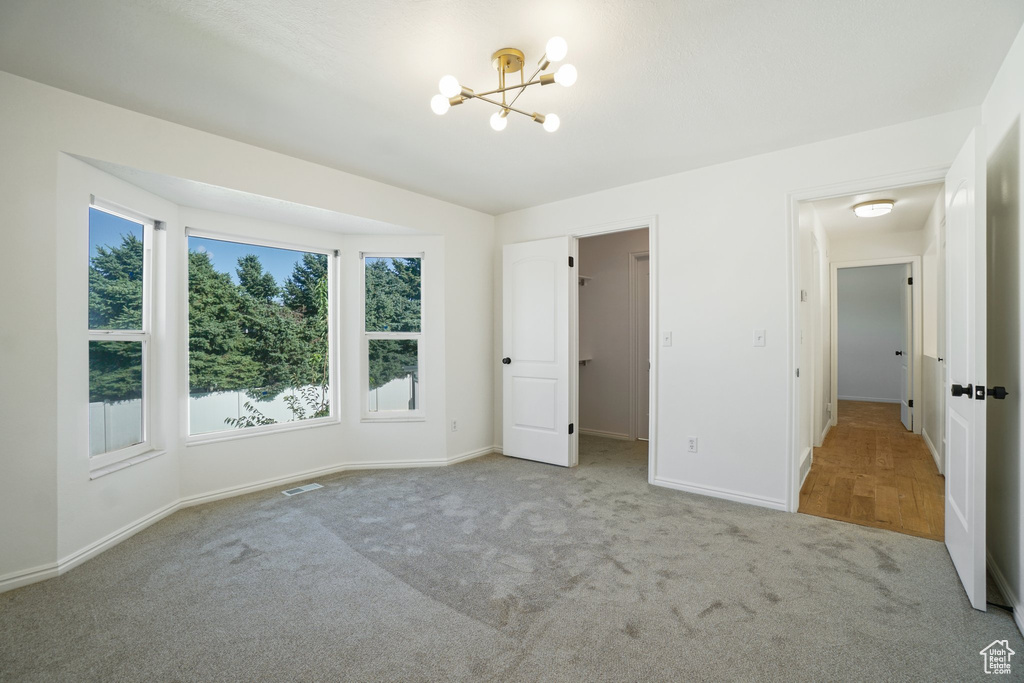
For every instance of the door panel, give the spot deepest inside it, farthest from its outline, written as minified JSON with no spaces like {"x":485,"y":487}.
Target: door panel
{"x":965,"y":358}
{"x":535,"y":335}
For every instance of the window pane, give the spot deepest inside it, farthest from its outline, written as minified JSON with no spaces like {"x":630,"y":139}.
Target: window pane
{"x":115,"y":395}
{"x":115,"y":272}
{"x":258,"y":335}
{"x":392,"y":294}
{"x":394,"y":375}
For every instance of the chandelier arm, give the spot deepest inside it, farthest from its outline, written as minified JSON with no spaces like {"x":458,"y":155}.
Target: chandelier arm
{"x":539,"y":69}
{"x":504,"y":106}
{"x":498,"y":90}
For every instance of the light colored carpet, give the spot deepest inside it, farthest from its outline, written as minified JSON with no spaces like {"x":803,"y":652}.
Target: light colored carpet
{"x":501,"y":569}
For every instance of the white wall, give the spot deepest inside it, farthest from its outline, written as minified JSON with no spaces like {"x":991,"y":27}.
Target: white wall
{"x":866,"y":247}
{"x":823,"y":363}
{"x":40,"y":464}
{"x":604,"y":331}
{"x":933,"y":268}
{"x":1001,"y":114}
{"x":723,"y":263}
{"x":870,"y":331}
{"x":933,"y":386}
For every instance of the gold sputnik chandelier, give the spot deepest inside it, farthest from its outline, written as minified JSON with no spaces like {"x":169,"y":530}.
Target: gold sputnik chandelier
{"x":509,"y":61}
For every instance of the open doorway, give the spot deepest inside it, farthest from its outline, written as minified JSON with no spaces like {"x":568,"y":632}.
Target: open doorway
{"x":875,"y":340}
{"x":870,"y":347}
{"x":541,"y":350}
{"x":613,"y":386}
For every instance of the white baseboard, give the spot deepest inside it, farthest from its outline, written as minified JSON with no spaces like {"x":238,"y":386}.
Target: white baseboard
{"x":41,"y":573}
{"x":1004,"y":588}
{"x":726,"y":494}
{"x":805,"y":465}
{"x":24,"y":577}
{"x":90,"y":551}
{"x":469,"y":455}
{"x":868,"y":399}
{"x":933,"y":449}
{"x":606,"y":435}
{"x":824,"y":433}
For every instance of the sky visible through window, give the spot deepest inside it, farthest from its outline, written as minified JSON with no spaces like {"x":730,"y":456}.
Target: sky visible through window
{"x":106,"y":230}
{"x":224,"y":255}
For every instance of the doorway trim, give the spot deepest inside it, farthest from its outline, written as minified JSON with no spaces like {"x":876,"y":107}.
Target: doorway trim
{"x":634,"y":341}
{"x":651,"y":224}
{"x":794,"y":198}
{"x":917,"y":325}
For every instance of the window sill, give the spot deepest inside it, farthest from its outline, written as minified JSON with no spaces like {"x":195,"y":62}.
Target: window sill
{"x":394,"y":418}
{"x":96,"y":473}
{"x":232,"y":435}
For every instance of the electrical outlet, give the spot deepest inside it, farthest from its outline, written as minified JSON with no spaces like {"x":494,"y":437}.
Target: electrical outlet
{"x":455,"y":426}
{"x":691,"y":444}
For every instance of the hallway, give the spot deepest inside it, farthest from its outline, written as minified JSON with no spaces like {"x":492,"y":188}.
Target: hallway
{"x":873,"y":472}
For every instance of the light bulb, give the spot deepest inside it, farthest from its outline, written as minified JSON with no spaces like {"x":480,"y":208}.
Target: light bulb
{"x":566,"y":75}
{"x":556,"y":49}
{"x":440,"y":104}
{"x":449,"y":86}
{"x":498,"y":122}
{"x":551,"y":123}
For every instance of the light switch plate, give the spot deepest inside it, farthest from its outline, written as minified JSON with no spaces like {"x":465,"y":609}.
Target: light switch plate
{"x":759,"y":337}
{"x":666,"y":339}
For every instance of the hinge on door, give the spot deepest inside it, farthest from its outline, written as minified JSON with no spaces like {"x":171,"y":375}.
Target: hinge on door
{"x":570,"y":262}
{"x":910,"y":403}
{"x":910,"y":280}
{"x":572,"y":427}
{"x":979,"y":392}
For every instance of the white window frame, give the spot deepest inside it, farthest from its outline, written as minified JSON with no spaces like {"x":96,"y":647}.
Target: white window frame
{"x":231,"y":433}
{"x":104,"y":460}
{"x":418,"y":415}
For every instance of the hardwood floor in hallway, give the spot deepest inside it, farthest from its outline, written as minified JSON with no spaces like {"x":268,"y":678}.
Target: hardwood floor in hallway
{"x":872,"y":471}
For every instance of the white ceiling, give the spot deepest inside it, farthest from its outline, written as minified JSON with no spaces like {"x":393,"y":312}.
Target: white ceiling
{"x":913,"y":204}
{"x":664,"y":85}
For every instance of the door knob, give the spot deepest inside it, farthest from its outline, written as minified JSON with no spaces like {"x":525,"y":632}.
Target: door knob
{"x":506,"y":360}
{"x":998,"y":392}
{"x":899,"y":353}
{"x":958,"y":390}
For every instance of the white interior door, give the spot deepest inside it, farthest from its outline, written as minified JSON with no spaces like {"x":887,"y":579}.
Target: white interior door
{"x":643,"y":333}
{"x":906,"y":350}
{"x":535,"y":339}
{"x":965,"y":362}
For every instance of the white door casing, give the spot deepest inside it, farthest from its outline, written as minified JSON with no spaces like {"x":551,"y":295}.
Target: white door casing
{"x":965,"y":366}
{"x":906,"y":349}
{"x":536,"y":344}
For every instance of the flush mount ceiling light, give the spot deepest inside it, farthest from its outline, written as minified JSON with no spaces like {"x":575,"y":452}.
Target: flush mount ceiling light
{"x":874,"y":208}
{"x":509,"y":61}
